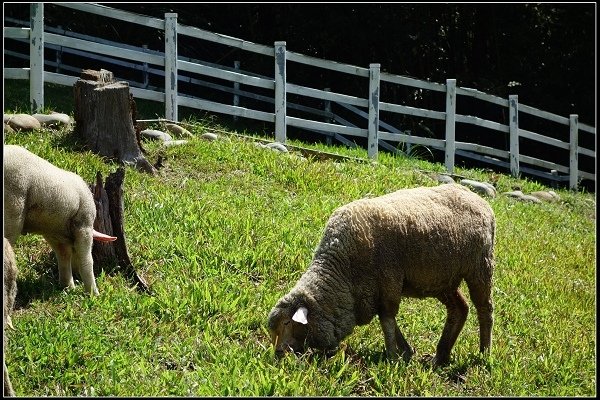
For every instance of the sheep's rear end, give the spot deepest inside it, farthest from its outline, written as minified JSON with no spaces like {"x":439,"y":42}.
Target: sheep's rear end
{"x":43,"y":199}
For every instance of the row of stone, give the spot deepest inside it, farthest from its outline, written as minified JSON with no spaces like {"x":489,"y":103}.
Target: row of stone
{"x":487,"y":189}
{"x":173,"y":130}
{"x":26,"y":122}
{"x":54,"y":120}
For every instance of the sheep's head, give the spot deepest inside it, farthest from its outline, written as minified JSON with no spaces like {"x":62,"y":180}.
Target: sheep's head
{"x":298,"y":327}
{"x":289,"y":329}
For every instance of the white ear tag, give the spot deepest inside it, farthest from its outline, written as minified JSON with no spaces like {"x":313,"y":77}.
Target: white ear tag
{"x":300,"y":315}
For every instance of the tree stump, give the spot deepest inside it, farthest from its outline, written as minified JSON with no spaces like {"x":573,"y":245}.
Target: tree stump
{"x":109,"y":220}
{"x":104,"y":118}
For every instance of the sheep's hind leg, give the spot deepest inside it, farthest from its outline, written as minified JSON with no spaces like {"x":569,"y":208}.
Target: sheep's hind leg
{"x":83,"y":261}
{"x":458,"y":310}
{"x":395,"y":343}
{"x":64,"y":253}
{"x":480,"y":292}
{"x":407,"y":351}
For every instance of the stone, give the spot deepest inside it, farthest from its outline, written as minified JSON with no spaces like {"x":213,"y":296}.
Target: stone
{"x":483,"y":188}
{"x":156,"y":135}
{"x":22,"y":122}
{"x":178,"y":130}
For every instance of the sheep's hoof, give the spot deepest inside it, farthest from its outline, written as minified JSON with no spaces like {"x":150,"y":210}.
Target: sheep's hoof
{"x":67,"y":285}
{"x":435,"y":361}
{"x":405,"y":354}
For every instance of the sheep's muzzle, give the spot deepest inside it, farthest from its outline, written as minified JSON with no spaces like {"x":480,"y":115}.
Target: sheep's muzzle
{"x":288,"y":336}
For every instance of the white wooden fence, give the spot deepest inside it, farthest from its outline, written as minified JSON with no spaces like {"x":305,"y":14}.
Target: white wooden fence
{"x":170,"y":65}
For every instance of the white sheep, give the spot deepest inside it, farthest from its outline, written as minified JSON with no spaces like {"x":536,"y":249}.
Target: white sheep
{"x":419,"y":243}
{"x":9,"y":266}
{"x":44,"y":199}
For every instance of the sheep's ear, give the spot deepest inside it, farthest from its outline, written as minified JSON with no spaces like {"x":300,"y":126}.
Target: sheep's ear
{"x":300,"y":315}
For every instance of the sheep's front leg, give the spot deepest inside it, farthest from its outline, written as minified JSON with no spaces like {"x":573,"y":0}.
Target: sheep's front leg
{"x":14,"y":216}
{"x":395,"y":342}
{"x":457,"y":309}
{"x":83,"y":261}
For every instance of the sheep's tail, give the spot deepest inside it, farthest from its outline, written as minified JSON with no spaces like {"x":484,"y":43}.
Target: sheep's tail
{"x":101,"y":237}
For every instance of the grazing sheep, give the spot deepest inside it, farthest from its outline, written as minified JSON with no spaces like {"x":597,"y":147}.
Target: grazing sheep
{"x":412,"y":243}
{"x":44,"y":199}
{"x":10,"y":292}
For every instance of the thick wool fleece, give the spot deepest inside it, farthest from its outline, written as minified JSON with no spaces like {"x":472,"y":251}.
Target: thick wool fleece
{"x":44,"y":199}
{"x":418,"y":242}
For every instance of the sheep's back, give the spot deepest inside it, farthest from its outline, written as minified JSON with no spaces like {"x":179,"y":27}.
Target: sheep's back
{"x":45,"y":194}
{"x":428,"y":238}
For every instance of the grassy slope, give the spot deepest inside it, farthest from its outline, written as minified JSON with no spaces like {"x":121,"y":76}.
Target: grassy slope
{"x":226,"y":228}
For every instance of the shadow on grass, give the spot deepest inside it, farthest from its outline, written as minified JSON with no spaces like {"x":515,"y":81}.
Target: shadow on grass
{"x":455,"y":372}
{"x":69,"y":141}
{"x":43,"y":286}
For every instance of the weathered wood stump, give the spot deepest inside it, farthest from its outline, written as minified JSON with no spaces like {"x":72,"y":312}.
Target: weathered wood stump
{"x":109,"y":220}
{"x":104,"y":118}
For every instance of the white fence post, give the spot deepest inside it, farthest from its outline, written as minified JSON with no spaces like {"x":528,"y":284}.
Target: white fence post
{"x":373,"y":128}
{"x":36,"y":57}
{"x":513,"y":129}
{"x":450,"y":123}
{"x":573,"y":154}
{"x":236,"y":87}
{"x":171,"y":66}
{"x":280,"y":92}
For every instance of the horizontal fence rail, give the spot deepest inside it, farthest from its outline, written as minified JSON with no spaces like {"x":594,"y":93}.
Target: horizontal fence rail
{"x":367,"y":112}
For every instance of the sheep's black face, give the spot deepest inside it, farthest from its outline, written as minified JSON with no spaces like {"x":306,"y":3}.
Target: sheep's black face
{"x":286,"y":334}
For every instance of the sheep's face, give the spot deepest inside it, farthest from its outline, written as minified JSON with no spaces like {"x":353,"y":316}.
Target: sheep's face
{"x":296,"y":329}
{"x":287,"y":332}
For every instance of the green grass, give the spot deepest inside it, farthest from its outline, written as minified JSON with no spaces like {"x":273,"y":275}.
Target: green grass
{"x":226,"y":228}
